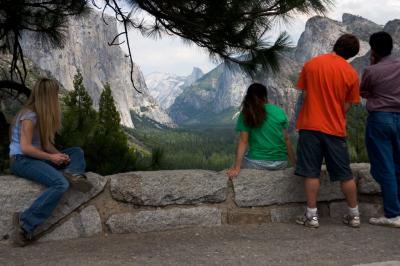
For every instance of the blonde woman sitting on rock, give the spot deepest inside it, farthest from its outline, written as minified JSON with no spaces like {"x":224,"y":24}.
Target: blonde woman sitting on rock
{"x":263,"y":128}
{"x":34,"y":157}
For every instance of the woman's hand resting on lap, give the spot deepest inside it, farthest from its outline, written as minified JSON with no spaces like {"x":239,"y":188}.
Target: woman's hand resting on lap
{"x":59,"y":158}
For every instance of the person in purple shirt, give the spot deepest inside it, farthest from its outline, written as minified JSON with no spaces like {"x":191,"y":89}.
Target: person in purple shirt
{"x":381,"y":87}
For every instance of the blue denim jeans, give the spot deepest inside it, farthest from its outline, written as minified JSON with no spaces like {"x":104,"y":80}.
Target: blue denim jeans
{"x":383,"y":145}
{"x":49,"y":175}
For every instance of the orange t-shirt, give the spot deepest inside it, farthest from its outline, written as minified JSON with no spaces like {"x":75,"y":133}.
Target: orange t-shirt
{"x":329,"y":82}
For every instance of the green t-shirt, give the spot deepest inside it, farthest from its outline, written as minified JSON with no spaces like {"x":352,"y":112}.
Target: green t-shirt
{"x":267,"y":141}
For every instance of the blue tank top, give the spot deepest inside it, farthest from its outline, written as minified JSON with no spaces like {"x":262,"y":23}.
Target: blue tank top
{"x":15,"y":145}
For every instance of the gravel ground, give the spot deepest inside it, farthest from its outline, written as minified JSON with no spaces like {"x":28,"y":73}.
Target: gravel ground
{"x":268,"y":244}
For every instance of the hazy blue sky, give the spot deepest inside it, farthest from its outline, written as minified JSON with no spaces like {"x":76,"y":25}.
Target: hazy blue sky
{"x":171,"y":55}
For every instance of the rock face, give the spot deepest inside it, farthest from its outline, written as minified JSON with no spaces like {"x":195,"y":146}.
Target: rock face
{"x":163,"y":188}
{"x":86,"y":49}
{"x":263,"y":188}
{"x":166,"y":87}
{"x":318,"y":37}
{"x":359,"y":26}
{"x":393,"y":28}
{"x":321,"y":34}
{"x":160,"y":220}
{"x":16,"y":194}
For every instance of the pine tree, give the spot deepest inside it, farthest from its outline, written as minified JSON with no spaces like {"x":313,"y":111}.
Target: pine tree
{"x":108,"y":115}
{"x":79,"y":116}
{"x":111,"y":153}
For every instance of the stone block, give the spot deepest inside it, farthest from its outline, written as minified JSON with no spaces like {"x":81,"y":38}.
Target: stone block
{"x":263,"y":188}
{"x":85,"y":224}
{"x":91,"y":221}
{"x":160,"y":220}
{"x":16,"y":194}
{"x":247,"y":216}
{"x":367,"y":210}
{"x":286,"y":214}
{"x":366,"y":183}
{"x":161,"y":188}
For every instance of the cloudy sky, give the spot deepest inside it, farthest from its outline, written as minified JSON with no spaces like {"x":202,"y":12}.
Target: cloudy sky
{"x":171,"y":55}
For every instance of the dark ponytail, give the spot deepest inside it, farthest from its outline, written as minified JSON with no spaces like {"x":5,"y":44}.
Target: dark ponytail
{"x":253,"y":105}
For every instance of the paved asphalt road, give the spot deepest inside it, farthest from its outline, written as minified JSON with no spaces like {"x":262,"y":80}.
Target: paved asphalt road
{"x":268,"y":244}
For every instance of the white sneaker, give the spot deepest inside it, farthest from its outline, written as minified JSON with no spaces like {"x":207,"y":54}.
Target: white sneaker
{"x":311,"y":222}
{"x":352,"y":221}
{"x":391,"y":222}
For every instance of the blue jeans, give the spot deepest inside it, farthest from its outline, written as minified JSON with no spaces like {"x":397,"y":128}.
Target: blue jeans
{"x":49,"y":175}
{"x":383,"y":146}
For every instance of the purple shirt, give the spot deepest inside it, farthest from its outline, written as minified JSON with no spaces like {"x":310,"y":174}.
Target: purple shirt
{"x":382,"y":82}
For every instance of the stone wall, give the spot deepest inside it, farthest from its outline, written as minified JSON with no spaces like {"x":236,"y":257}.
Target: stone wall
{"x":163,"y":200}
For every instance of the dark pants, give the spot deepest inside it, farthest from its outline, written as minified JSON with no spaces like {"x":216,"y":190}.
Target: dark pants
{"x":383,"y":145}
{"x":49,"y":175}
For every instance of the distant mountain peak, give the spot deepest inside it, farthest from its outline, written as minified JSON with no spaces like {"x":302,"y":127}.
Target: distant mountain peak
{"x":348,"y":18}
{"x":196,"y":74}
{"x":359,"y":26}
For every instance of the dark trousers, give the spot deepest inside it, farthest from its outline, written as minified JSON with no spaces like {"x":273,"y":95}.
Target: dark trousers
{"x":383,"y":145}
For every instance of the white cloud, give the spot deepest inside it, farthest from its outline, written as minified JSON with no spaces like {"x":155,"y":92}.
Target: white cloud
{"x":171,"y":55}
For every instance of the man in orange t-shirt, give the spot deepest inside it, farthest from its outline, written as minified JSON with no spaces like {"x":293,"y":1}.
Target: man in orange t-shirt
{"x":330,"y":86}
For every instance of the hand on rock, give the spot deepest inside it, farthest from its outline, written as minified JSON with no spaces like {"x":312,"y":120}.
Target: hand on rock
{"x":233,"y":172}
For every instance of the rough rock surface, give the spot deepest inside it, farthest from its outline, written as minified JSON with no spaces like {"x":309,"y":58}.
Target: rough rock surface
{"x":263,"y":188}
{"x":87,"y":223}
{"x":161,"y":188}
{"x":86,"y":49}
{"x":160,"y":220}
{"x":16,"y":194}
{"x":321,"y":34}
{"x":359,"y":26}
{"x":366,"y":183}
{"x":286,"y":214}
{"x":393,"y":28}
{"x":367,"y":210}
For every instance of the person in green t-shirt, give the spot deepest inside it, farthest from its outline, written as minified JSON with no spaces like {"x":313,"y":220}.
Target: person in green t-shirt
{"x":263,"y":128}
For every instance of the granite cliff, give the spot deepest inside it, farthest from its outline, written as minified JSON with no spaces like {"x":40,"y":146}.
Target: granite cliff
{"x":86,"y":49}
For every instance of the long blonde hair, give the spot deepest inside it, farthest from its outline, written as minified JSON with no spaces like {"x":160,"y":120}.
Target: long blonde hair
{"x":44,"y":102}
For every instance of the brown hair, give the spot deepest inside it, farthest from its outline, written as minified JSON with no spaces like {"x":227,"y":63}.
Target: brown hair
{"x":253,"y":105}
{"x":381,"y":43}
{"x":347,"y":46}
{"x":44,"y":102}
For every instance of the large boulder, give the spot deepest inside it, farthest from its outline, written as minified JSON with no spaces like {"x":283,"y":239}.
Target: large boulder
{"x":16,"y":194}
{"x":159,"y":220}
{"x":263,"y":188}
{"x":161,"y":188}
